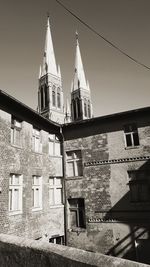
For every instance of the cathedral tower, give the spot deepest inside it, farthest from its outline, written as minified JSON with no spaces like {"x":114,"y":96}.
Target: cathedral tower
{"x":50,"y":94}
{"x":81,"y":106}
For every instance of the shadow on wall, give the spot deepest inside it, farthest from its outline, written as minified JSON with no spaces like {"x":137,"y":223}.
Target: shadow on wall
{"x":131,"y":218}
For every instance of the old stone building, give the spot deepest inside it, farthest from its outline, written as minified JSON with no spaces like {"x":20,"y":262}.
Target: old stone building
{"x":68,"y":177}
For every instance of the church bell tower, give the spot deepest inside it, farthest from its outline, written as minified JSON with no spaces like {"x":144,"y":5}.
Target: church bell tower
{"x":50,"y":94}
{"x":81,"y":106}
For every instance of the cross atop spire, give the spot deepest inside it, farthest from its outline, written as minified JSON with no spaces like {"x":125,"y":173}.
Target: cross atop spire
{"x":49,"y":61}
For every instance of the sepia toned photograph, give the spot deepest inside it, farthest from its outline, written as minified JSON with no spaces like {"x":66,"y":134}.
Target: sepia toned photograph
{"x":75,"y":133}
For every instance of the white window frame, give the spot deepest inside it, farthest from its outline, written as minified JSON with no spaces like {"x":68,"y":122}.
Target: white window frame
{"x":74,"y":160}
{"x":36,"y":186}
{"x":131,"y":134}
{"x":36,"y":136}
{"x":53,"y":140}
{"x":12,"y":187}
{"x":54,"y":187}
{"x":16,"y":126}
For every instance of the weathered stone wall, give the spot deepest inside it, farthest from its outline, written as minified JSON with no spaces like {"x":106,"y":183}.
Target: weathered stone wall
{"x":20,"y":252}
{"x":113,"y":222}
{"x":22,"y":160}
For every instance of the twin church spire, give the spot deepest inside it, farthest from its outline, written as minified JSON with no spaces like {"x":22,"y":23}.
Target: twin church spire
{"x":50,"y":93}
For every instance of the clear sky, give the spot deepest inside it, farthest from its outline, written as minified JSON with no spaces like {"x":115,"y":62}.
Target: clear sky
{"x":117,"y":84}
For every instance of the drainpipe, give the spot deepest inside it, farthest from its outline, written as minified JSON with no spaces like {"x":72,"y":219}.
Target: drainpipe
{"x":64,"y":186}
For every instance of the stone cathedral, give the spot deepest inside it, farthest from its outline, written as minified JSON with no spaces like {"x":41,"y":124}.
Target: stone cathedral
{"x":69,"y":178}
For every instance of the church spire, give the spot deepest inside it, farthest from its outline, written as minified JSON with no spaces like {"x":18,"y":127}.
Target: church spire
{"x":79,"y":76}
{"x":49,"y":61}
{"x":81,"y":106}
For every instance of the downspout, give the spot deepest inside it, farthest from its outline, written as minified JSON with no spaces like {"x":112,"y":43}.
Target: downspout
{"x":64,"y":186}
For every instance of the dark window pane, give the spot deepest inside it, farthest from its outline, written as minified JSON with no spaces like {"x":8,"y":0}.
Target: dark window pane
{"x":128,"y":140}
{"x":136,"y":139}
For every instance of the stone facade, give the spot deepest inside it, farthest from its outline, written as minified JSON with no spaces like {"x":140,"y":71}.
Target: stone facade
{"x":48,"y":221}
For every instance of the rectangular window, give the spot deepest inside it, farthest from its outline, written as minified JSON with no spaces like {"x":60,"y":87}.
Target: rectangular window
{"x":16,"y":126}
{"x":139,"y":186}
{"x":55,"y":191}
{"x":54,"y":145}
{"x":131,"y":135}
{"x":57,"y":240}
{"x":15,"y":193}
{"x":36,"y":192}
{"x":74,"y":163}
{"x":36,"y":141}
{"x":77,"y":213}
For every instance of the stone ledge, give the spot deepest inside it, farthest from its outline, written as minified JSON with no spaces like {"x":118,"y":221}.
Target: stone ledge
{"x":20,"y":252}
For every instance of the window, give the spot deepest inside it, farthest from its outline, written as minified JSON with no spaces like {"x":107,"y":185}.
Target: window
{"x":74,"y":109}
{"x":139,"y":186}
{"x":15,"y":193}
{"x":131,"y":135}
{"x":77,"y":212}
{"x":36,"y":142}
{"x":85,"y":108}
{"x":36,"y":192}
{"x":54,"y":145}
{"x":54,"y":96}
{"x":74,"y":163}
{"x":16,"y":132}
{"x":55,"y":191}
{"x":57,"y":240}
{"x":46,"y":96}
{"x":58,"y":98}
{"x":89,"y":110}
{"x":42,"y":98}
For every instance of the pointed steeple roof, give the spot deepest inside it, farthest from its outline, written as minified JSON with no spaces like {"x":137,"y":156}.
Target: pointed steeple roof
{"x":49,"y":61}
{"x":79,"y":77}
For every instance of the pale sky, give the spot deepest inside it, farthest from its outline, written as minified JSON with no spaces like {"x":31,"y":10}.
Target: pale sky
{"x":117,"y":84}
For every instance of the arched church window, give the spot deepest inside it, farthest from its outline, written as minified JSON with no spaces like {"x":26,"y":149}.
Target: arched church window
{"x":58,"y":98}
{"x":42,"y":98}
{"x":46,"y":95}
{"x":78,"y":107}
{"x":74,"y":109}
{"x":85,"y":108}
{"x":89,"y":109}
{"x":54,"y":96}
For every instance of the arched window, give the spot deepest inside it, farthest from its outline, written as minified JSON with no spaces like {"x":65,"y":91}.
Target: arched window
{"x":54,"y":96}
{"x":89,"y":109}
{"x":74,"y":109}
{"x":78,"y":107}
{"x":46,"y":95}
{"x":58,"y":98}
{"x":85,"y":108}
{"x":42,"y":98}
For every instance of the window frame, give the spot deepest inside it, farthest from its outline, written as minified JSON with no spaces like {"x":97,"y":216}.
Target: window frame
{"x":131,"y":133}
{"x":138,"y":180}
{"x":53,"y":140}
{"x":36,"y":135}
{"x":55,"y":187}
{"x":16,"y":129}
{"x":12,"y":187}
{"x":34,"y":188}
{"x":74,"y":160}
{"x":79,"y":209}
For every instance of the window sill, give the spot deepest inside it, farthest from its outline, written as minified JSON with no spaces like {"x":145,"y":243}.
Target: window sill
{"x":38,"y":153}
{"x":56,"y":206}
{"x":131,"y":147}
{"x":37,"y":209}
{"x":74,"y":177}
{"x":77,"y":230}
{"x":16,"y":146}
{"x":55,"y":156}
{"x":16,"y":212}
